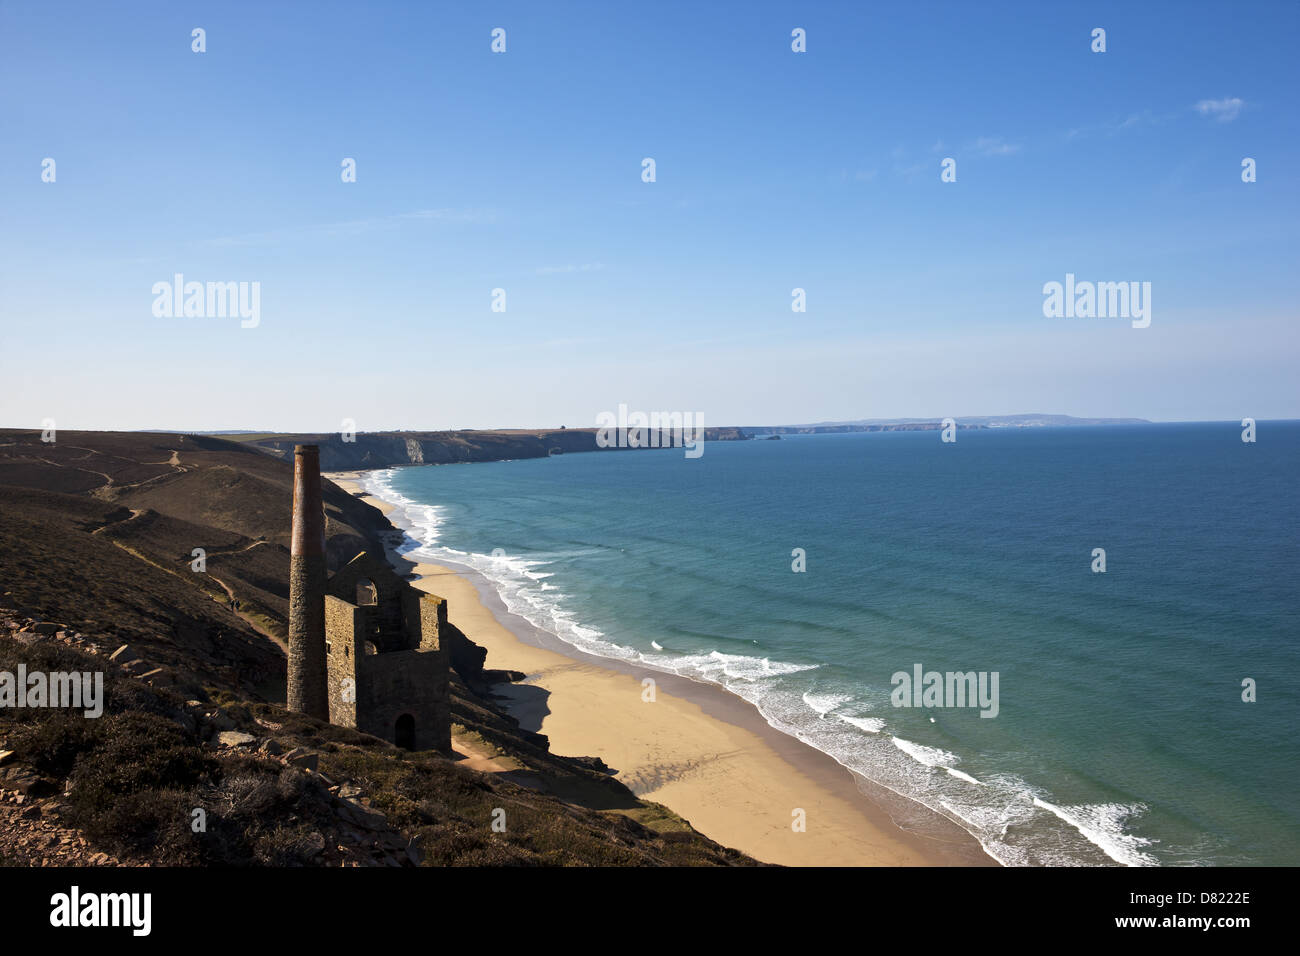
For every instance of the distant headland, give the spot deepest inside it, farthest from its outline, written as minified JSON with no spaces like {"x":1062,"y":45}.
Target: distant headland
{"x":366,"y":450}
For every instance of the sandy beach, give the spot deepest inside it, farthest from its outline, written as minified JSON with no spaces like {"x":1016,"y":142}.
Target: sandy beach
{"x":695,"y":748}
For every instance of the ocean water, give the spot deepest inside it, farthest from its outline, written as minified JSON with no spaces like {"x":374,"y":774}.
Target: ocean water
{"x":1121,"y":735}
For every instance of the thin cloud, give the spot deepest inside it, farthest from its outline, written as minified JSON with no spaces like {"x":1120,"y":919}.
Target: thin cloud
{"x":354,"y":227}
{"x":1225,"y":110}
{"x":447,"y":215}
{"x":994,"y":146}
{"x":858,"y":175}
{"x":912,"y":171}
{"x":554,"y":270}
{"x":904,"y":169}
{"x":1136,"y":120}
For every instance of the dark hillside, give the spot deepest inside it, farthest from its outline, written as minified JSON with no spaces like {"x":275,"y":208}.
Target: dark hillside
{"x":97,"y":539}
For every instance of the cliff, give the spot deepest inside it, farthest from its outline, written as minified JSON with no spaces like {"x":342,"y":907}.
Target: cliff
{"x":385,"y":449}
{"x":98,"y":533}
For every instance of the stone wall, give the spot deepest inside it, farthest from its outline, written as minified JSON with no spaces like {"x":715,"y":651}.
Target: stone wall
{"x":343,"y":645}
{"x":406,"y":682}
{"x":387,"y":685}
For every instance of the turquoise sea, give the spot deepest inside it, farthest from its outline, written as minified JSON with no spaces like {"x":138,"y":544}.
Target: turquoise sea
{"x":1121,"y":735}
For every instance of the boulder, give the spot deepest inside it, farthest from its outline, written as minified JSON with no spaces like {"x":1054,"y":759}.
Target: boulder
{"x":236,"y":738}
{"x":593,"y":763}
{"x":361,"y":816}
{"x":220,"y":720}
{"x":24,"y":781}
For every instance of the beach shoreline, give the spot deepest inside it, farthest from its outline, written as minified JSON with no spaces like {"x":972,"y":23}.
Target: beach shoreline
{"x":700,"y":750}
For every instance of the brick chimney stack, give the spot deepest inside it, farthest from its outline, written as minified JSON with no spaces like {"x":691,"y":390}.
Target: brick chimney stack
{"x":307,"y":573}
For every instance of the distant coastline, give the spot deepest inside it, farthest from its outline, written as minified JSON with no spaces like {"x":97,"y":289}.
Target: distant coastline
{"x":372,"y":450}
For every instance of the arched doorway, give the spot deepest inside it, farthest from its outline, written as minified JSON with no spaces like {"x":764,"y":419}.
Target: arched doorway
{"x":367,"y":593}
{"x":404,"y":732}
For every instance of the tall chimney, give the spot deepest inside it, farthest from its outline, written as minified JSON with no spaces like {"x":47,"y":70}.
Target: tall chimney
{"x":307,"y":689}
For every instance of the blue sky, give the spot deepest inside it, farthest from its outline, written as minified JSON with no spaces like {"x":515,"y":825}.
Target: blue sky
{"x":522,"y":171}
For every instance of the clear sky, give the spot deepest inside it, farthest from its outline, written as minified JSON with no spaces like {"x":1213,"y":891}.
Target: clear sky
{"x":523,"y":171}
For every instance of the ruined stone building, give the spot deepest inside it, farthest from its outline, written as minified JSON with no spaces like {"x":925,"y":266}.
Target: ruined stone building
{"x":386,"y":667}
{"x":365,"y":648}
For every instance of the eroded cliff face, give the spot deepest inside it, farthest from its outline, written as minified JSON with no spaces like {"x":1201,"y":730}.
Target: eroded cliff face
{"x":386,"y":449}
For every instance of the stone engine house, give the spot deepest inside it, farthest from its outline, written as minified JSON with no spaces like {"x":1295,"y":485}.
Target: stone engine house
{"x":365,"y":647}
{"x":386,"y":669}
